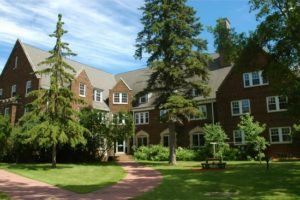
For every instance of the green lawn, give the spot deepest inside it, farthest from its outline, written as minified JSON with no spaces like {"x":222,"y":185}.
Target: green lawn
{"x":242,"y":180}
{"x":4,"y":196}
{"x":80,"y":178}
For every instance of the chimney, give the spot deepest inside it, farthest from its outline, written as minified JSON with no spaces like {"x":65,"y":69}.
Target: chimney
{"x":226,"y":23}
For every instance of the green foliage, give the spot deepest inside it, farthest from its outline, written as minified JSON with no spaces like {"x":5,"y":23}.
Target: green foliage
{"x":278,"y":34}
{"x":5,"y":133}
{"x":171,"y":39}
{"x":227,"y":42}
{"x":53,"y":120}
{"x":214,"y":133}
{"x":253,"y":131}
{"x":105,"y":131}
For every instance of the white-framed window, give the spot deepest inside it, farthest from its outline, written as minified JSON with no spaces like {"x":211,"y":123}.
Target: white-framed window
{"x":28,"y":86}
{"x":166,"y":140}
{"x":203,"y":110}
{"x":13,"y":90}
{"x":277,"y":103}
{"x":118,"y":118}
{"x":27,"y":108}
{"x":240,"y":107}
{"x":98,"y":95}
{"x":141,"y":118}
{"x":252,"y":79}
{"x":280,"y":135}
{"x":120,"y":98}
{"x":1,"y":93}
{"x":239,"y":137}
{"x":143,"y":99}
{"x":6,"y":111}
{"x":16,"y":63}
{"x":197,"y":139}
{"x":82,"y":90}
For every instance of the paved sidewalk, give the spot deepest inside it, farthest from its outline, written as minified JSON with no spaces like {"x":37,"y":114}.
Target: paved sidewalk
{"x":139,"y":179}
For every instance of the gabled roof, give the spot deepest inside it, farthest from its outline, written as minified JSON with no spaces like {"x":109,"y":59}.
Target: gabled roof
{"x":137,"y":80}
{"x":99,"y":79}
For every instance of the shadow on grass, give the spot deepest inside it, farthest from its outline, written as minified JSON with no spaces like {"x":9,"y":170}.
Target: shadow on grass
{"x":245,"y":180}
{"x":85,"y":188}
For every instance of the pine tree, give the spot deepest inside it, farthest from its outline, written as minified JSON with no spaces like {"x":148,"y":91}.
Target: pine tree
{"x":53,"y":120}
{"x":171,"y":38}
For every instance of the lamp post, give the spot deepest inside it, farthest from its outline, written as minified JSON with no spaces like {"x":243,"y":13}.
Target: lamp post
{"x":214,"y":148}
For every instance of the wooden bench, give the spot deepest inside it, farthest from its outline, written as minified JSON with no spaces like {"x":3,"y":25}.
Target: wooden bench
{"x":211,"y":163}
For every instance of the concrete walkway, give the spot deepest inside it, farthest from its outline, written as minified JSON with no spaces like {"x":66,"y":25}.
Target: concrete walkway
{"x":139,"y":179}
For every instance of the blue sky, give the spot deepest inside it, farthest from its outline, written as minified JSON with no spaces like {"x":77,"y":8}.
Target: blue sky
{"x":101,"y":32}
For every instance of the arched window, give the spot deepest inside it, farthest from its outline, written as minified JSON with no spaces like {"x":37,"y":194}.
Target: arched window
{"x":142,"y":138}
{"x":197,"y":137}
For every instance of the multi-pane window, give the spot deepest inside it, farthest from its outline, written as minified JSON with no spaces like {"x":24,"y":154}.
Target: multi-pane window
{"x":97,"y":95}
{"x":198,"y":140}
{"x":196,"y":92}
{"x":239,"y":137}
{"x":240,"y":107}
{"x":142,"y":140}
{"x":203,"y":115}
{"x":27,"y":108}
{"x":13,"y":90}
{"x":6,"y":111}
{"x":280,"y":135}
{"x":1,"y":93}
{"x":120,"y":98}
{"x":28,"y":86}
{"x":82,"y":90}
{"x":166,"y":140}
{"x":277,"y":103}
{"x":144,"y":98}
{"x":162,"y":114}
{"x":254,"y":79}
{"x":142,"y":118}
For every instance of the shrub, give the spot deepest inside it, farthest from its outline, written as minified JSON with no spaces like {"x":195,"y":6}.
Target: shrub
{"x":185,"y":154}
{"x":153,"y":153}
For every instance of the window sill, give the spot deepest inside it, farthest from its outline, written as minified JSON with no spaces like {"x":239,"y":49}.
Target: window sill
{"x":253,"y":86}
{"x":120,"y":103}
{"x":142,"y":124}
{"x":281,"y":142}
{"x":274,"y":111}
{"x":82,"y":95}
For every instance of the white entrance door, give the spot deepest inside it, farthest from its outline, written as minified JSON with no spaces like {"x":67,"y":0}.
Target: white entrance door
{"x":120,"y":147}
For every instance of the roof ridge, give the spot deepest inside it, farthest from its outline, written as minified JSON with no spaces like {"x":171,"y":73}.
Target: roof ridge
{"x":40,"y":49}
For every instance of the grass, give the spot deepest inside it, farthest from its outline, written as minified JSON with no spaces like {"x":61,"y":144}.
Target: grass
{"x":242,"y":180}
{"x":4,"y":196}
{"x":79,"y":178}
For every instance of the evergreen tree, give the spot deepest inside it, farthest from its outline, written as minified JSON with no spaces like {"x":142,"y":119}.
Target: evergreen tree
{"x":171,"y":39}
{"x":228,"y":43}
{"x":53,"y":120}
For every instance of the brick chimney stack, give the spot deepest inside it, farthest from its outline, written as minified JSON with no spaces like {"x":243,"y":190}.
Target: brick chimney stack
{"x":226,"y":24}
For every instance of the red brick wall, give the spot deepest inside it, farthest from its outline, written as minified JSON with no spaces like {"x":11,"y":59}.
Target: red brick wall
{"x":17,"y":76}
{"x":88,"y":99}
{"x":233,"y":89}
{"x":120,"y":87}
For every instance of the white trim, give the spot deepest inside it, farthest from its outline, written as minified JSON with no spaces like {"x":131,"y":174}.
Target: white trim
{"x":276,"y":104}
{"x":251,"y":79}
{"x":196,"y":130}
{"x":141,"y":115}
{"x":13,"y":90}
{"x":143,"y":108}
{"x":141,"y":133}
{"x":16,"y":63}
{"x":27,"y":86}
{"x":193,"y":118}
{"x":120,"y":98}
{"x":212,"y":113}
{"x":6,"y":111}
{"x":84,"y":89}
{"x":125,"y":83}
{"x":240,"y":107}
{"x":242,"y":136}
{"x":97,"y":91}
{"x":280,"y":135}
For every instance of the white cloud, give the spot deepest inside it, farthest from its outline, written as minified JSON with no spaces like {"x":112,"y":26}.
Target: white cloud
{"x":101,"y":32}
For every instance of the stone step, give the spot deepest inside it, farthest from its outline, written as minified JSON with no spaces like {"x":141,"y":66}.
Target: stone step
{"x":123,"y":158}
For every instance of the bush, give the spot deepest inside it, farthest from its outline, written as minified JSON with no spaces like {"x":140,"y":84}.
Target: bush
{"x":153,"y":153}
{"x":185,"y":154}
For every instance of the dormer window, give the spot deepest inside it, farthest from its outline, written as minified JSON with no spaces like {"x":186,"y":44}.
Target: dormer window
{"x":28,"y":86}
{"x":13,"y":90}
{"x":16,"y":63}
{"x":82,"y":90}
{"x":252,"y":79}
{"x":144,"y":98}
{"x":97,"y":95}
{"x":120,"y":98}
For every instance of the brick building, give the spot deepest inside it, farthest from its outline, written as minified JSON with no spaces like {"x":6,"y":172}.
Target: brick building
{"x":233,"y":93}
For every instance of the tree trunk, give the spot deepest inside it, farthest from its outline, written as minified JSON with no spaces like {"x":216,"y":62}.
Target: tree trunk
{"x":54,"y":156}
{"x":172,"y":155}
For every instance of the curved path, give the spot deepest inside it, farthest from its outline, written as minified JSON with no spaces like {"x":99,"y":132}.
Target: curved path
{"x":139,"y":179}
